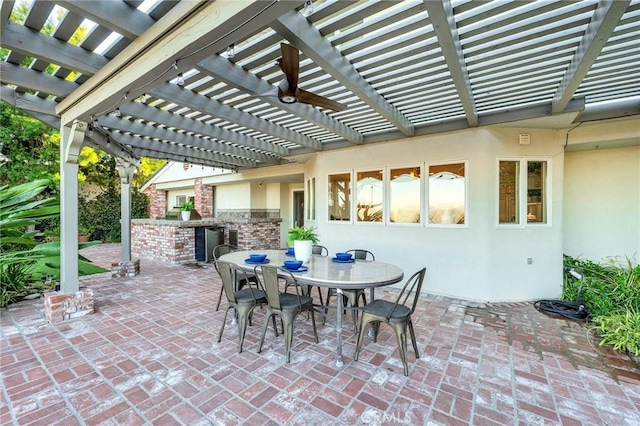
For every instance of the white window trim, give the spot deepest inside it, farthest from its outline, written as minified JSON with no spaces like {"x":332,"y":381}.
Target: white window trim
{"x":354,"y":197}
{"x":387,"y":193}
{"x":351,"y":197}
{"x":466,"y":196}
{"x":522,"y":190}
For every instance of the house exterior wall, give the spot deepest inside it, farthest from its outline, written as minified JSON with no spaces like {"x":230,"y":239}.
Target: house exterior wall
{"x":480,"y":261}
{"x":233,"y":197}
{"x":602,"y":204}
{"x":157,"y":202}
{"x":203,"y":198}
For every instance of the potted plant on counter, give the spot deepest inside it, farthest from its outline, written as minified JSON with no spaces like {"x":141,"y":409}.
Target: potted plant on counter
{"x":302,"y":239}
{"x":185,"y":209}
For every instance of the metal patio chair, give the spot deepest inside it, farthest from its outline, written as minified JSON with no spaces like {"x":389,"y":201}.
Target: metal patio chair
{"x":218,"y":251}
{"x":351,"y":297}
{"x":243,"y":301}
{"x":285,"y":305}
{"x":397,"y":314}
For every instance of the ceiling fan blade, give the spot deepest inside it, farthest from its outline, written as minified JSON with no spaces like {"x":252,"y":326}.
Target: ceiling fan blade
{"x":290,"y":65}
{"x":313,"y":99}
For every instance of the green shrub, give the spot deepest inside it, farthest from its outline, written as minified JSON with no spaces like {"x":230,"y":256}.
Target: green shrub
{"x":620,"y":330}
{"x":611,"y":291}
{"x":24,"y":260}
{"x":102,"y":213}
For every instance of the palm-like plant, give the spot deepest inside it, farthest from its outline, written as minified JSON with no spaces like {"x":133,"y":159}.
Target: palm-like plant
{"x":23,"y":259}
{"x":20,"y":209}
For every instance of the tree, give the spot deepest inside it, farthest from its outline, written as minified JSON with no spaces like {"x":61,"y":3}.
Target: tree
{"x":30,"y":148}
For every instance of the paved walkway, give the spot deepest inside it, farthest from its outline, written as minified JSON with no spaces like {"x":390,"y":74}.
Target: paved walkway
{"x":149,"y":355}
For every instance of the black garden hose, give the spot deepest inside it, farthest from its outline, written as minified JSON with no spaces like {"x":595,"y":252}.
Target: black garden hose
{"x":572,"y":310}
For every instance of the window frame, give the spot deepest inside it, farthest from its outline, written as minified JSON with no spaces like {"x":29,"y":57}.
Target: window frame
{"x":522,"y":201}
{"x":354,"y":195}
{"x":427,"y":223}
{"x":351,"y":196}
{"x":387,"y":186}
{"x":178,"y":199}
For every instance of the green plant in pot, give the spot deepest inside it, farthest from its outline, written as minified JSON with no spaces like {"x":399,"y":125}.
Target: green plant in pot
{"x":302,"y":239}
{"x":85,"y":232}
{"x":186,"y":208}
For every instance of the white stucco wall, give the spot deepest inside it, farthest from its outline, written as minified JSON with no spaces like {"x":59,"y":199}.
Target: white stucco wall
{"x":480,"y":261}
{"x":272,"y":194}
{"x":595,"y":206}
{"x":172,"y":194}
{"x":602,"y":199}
{"x":233,"y":196}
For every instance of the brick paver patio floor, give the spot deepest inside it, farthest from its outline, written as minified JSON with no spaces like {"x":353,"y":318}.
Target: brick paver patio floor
{"x":149,"y":355}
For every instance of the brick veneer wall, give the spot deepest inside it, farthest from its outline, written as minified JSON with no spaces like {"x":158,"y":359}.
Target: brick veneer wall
{"x":264,"y":236}
{"x":163,"y":242}
{"x":157,"y":202}
{"x":203,"y":198}
{"x":174,"y":241}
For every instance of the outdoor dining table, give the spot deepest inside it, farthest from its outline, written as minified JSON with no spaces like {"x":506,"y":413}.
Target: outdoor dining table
{"x":325,"y":271}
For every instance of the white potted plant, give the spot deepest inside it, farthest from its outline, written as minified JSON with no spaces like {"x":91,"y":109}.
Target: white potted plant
{"x":185,"y":209}
{"x":302,"y":239}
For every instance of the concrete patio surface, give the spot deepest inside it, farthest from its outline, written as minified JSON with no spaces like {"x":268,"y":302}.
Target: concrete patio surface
{"x":149,"y":355}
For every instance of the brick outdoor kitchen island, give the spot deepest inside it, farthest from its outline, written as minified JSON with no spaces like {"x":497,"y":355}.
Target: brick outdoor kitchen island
{"x":177,"y":241}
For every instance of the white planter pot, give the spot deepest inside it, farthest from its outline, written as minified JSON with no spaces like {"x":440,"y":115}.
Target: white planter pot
{"x":186,"y":215}
{"x":302,"y":250}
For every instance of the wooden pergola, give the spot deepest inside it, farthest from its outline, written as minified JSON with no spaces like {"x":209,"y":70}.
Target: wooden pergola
{"x":197,"y":82}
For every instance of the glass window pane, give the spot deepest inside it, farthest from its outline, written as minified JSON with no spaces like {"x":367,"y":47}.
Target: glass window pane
{"x":447,"y":187}
{"x":404,"y":195}
{"x":536,"y":192}
{"x":313,"y":198}
{"x":339,"y":200}
{"x":508,"y":197}
{"x":370,"y":196}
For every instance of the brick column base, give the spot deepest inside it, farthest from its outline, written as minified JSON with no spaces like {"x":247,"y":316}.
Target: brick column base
{"x":59,"y":307}
{"x":125,"y":269}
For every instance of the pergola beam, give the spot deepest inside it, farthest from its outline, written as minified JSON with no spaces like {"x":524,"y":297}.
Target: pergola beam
{"x":178,"y":151}
{"x":28,"y":42}
{"x":297,"y":30}
{"x":35,"y":80}
{"x":444,"y":25}
{"x":118,"y":16}
{"x":236,"y":76}
{"x":170,"y":119}
{"x":163,"y":134}
{"x":604,"y":21}
{"x":187,"y":34}
{"x":27,"y":102}
{"x":190,"y":99}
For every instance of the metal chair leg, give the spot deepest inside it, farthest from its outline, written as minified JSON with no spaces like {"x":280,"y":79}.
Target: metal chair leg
{"x":220,"y":298}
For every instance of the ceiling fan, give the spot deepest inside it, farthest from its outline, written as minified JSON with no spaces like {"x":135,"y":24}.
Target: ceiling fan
{"x":288,"y":90}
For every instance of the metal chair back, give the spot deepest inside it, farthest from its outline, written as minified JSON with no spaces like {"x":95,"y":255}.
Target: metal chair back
{"x":271,"y":285}
{"x":226,"y":275}
{"x":362,"y":254}
{"x":318,"y":249}
{"x":413,"y":286}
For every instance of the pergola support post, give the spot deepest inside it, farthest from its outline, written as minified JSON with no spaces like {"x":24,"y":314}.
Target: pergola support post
{"x":69,"y":302}
{"x":71,"y":140}
{"x":126,"y":267}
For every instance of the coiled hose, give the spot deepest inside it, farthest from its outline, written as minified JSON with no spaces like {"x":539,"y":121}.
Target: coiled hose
{"x":572,"y":310}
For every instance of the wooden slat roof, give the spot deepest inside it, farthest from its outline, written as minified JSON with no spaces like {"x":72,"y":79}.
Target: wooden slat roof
{"x":403,"y":68}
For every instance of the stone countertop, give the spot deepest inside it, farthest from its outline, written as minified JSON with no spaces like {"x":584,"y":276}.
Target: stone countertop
{"x":178,"y":223}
